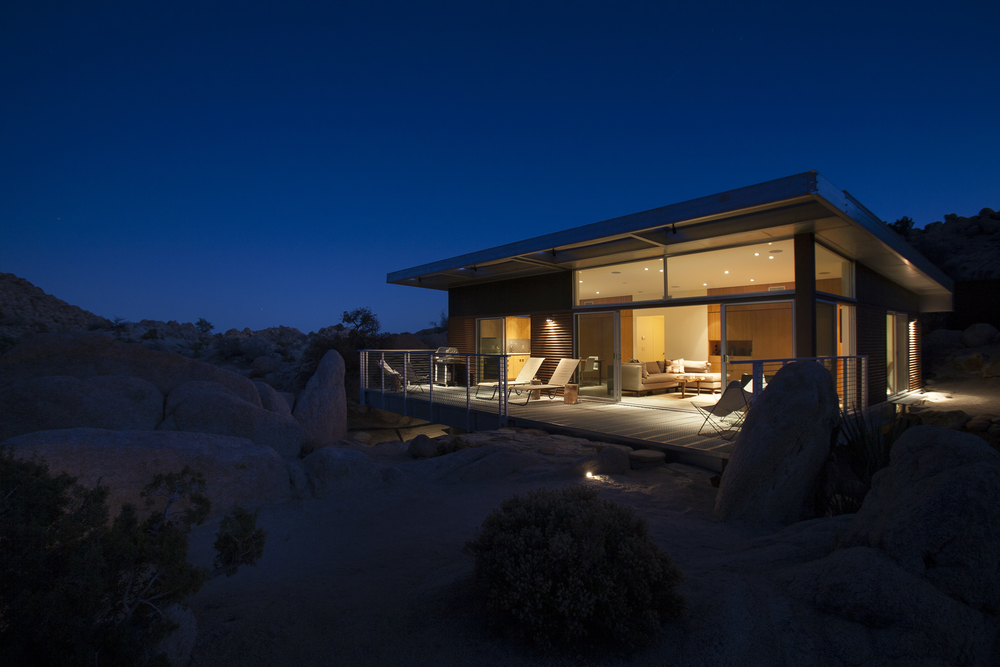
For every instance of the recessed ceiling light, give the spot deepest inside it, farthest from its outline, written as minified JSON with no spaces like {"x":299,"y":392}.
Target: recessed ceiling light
{"x":756,"y":254}
{"x":770,"y":256}
{"x":727,"y":271}
{"x":661,"y":270}
{"x":777,"y":250}
{"x":768,"y":244}
{"x":704,"y":284}
{"x":751,"y":280}
{"x":598,"y":292}
{"x":675,"y":287}
{"x":615,"y":272}
{"x":646,"y":269}
{"x":581,"y":281}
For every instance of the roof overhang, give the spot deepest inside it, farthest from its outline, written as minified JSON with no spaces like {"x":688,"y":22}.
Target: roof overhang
{"x":773,"y":210}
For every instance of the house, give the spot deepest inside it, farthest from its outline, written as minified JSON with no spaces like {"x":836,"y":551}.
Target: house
{"x":788,"y":269}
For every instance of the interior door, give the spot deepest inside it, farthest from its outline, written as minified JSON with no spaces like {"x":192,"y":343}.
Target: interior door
{"x":598,"y":349}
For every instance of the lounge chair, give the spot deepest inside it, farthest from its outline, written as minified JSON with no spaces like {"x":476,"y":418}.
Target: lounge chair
{"x":726,"y":417}
{"x":562,"y":374}
{"x":390,"y":377}
{"x":526,"y":375}
{"x":414,"y":379}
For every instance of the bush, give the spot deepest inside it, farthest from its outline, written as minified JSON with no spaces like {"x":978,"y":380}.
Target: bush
{"x":203,"y":325}
{"x":75,"y":590}
{"x":565,"y":567}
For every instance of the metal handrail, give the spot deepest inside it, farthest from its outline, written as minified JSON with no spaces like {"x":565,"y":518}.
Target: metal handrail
{"x":852,"y":400}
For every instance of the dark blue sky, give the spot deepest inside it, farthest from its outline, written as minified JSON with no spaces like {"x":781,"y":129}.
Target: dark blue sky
{"x":266,"y":164}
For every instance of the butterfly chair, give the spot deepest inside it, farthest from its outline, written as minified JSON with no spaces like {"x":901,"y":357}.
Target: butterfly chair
{"x":527,"y":373}
{"x":390,"y":378}
{"x":560,"y":376}
{"x":415,"y":379}
{"x":726,"y":417}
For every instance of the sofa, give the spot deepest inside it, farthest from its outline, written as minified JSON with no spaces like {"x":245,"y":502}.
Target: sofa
{"x":642,"y":378}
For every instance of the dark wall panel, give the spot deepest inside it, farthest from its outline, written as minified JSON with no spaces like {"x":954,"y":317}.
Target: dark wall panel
{"x":976,"y":301}
{"x":520,"y":296}
{"x":877,"y":290}
{"x":871,"y":342}
{"x":462,"y":334}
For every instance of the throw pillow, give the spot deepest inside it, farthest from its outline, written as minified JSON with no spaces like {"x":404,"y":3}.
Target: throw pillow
{"x":676,"y":366}
{"x":652,"y":367}
{"x":645,"y":373}
{"x":695,"y":366}
{"x":660,"y":365}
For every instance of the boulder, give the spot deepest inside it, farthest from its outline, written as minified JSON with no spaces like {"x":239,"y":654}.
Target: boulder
{"x":207,"y":407}
{"x":953,"y":419}
{"x":58,"y":402}
{"x":177,"y":646}
{"x":935,"y":510}
{"x":321,"y":408}
{"x":237,"y":471}
{"x":333,"y":470}
{"x":264,"y":365}
{"x":899,"y":613}
{"x":991,"y":369}
{"x":980,"y":334}
{"x":472,"y":464}
{"x":422,"y":447}
{"x":86,"y":355}
{"x":944,"y":339}
{"x":271,"y":400}
{"x":980,"y":423}
{"x":970,"y":362}
{"x":786,"y":439}
{"x":289,"y":399}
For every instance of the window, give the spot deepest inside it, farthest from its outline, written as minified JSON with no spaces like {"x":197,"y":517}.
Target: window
{"x":620,"y":283}
{"x":834,"y":274}
{"x":762,"y":267}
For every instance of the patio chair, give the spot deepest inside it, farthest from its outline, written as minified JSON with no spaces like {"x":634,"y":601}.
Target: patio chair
{"x":414,"y":379}
{"x":726,"y":417}
{"x":526,"y":375}
{"x":392,"y":378}
{"x":562,"y":374}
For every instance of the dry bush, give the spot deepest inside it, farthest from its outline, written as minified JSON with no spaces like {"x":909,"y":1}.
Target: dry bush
{"x":565,"y":567}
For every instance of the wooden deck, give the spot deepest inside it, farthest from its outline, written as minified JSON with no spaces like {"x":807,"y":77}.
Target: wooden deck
{"x":671,"y":429}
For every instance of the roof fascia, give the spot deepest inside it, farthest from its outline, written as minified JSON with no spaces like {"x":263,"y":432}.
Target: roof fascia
{"x":761,"y":194}
{"x":847,"y":206}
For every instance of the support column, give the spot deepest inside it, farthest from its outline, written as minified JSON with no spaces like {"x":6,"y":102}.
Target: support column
{"x":805,"y":295}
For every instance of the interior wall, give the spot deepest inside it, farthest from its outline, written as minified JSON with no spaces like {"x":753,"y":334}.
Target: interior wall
{"x":685,"y":334}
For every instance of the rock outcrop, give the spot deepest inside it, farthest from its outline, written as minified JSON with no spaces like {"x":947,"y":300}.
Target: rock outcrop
{"x":88,"y":355}
{"x":26,"y":309}
{"x":208,"y":407}
{"x":237,"y":471}
{"x":332,"y":470}
{"x":59,"y":402}
{"x":935,"y":511}
{"x":784,"y":444}
{"x":964,"y":248}
{"x":321,"y":407}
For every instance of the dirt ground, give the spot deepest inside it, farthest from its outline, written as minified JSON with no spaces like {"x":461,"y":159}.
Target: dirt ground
{"x":379,"y":577}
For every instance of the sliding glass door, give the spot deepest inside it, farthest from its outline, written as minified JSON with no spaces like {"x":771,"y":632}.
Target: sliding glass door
{"x":597,"y":348}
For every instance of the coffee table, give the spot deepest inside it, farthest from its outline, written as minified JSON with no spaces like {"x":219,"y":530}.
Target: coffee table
{"x":696,"y":379}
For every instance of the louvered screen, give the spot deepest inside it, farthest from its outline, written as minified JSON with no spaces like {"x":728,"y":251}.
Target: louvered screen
{"x":916,"y":356}
{"x":552,"y":340}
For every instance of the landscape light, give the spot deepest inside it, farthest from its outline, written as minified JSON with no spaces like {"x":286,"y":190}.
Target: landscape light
{"x":590,"y":474}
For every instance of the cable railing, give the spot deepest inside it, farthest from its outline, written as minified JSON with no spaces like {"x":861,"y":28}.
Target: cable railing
{"x":438,"y":386}
{"x":850,"y":375}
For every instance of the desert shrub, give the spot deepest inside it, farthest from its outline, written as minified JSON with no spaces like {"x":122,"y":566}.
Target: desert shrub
{"x":75,"y":590}
{"x":863,"y":446}
{"x":364,"y":332}
{"x":566,"y":567}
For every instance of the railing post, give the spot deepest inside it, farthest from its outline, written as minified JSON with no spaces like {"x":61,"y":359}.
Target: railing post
{"x":363,"y":379}
{"x":503,"y":407}
{"x":430,"y":387}
{"x":468,"y":394}
{"x":381,"y":366}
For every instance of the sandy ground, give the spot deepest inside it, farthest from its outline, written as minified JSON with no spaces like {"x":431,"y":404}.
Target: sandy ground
{"x":973,"y":395}
{"x":379,"y":578}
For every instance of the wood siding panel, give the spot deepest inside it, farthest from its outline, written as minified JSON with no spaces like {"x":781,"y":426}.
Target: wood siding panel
{"x":462,"y":334}
{"x":877,"y":290}
{"x":518,"y":296}
{"x":552,"y":340}
{"x":871,"y":342}
{"x":916,"y":354}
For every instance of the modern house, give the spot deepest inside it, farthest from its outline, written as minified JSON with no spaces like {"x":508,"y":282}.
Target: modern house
{"x":788,"y":269}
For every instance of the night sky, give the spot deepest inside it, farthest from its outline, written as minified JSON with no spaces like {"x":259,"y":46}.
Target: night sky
{"x":266,"y":164}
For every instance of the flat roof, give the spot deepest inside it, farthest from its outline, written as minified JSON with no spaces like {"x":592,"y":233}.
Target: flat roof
{"x":776,"y":209}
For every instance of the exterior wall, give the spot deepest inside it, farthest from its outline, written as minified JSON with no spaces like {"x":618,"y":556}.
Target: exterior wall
{"x":552,"y":340}
{"x":871,"y":341}
{"x":462,"y":334}
{"x":877,"y":290}
{"x":519,"y":296}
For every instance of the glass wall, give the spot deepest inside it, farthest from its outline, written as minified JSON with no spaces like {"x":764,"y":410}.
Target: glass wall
{"x":834,"y":274}
{"x":762,"y":267}
{"x":503,"y":335}
{"x":620,"y":283}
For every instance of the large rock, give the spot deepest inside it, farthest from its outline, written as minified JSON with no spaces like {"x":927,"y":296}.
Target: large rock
{"x":271,"y":400}
{"x":321,"y":408}
{"x":207,"y":407}
{"x":468,"y":465}
{"x":58,"y":402}
{"x":177,"y":646}
{"x":332,"y":470}
{"x":981,"y":334}
{"x":88,"y":355}
{"x":237,"y":471}
{"x":896,"y":612}
{"x":786,"y":438}
{"x":936,"y":512}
